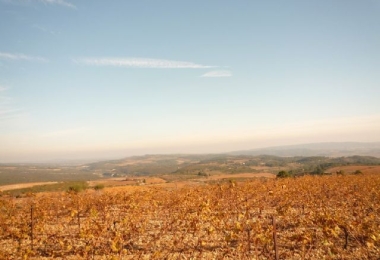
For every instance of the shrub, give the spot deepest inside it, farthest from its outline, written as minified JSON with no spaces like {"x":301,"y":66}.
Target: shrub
{"x":78,"y":187}
{"x":202,"y":174}
{"x":99,"y":186}
{"x":283,"y":174}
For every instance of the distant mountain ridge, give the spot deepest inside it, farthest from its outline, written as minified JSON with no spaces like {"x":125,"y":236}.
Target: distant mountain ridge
{"x":331,"y":149}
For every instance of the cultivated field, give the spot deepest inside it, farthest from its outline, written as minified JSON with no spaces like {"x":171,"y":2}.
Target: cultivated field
{"x":352,"y":168}
{"x":310,"y":217}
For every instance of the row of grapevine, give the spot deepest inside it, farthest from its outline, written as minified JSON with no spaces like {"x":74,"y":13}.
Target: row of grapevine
{"x":331,"y":217}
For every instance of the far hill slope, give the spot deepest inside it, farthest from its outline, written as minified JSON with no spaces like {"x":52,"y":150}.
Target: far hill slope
{"x":318,"y":149}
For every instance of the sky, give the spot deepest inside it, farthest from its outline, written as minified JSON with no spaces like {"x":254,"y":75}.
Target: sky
{"x":98,"y":79}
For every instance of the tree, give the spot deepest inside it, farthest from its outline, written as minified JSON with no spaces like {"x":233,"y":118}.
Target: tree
{"x":283,"y":174}
{"x":318,"y":170}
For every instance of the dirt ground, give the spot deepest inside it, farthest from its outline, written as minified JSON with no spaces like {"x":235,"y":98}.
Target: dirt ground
{"x":24,"y":185}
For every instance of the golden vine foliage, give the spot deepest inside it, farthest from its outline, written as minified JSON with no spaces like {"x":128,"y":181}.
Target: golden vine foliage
{"x":331,"y":217}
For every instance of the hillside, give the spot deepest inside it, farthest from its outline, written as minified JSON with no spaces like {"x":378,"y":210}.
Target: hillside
{"x":173,"y":168}
{"x":336,"y":149}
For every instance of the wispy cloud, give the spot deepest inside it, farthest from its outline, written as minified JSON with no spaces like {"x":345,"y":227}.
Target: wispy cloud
{"x":20,"y":56}
{"x":9,"y":113}
{"x":50,"y":2}
{"x":59,"y":2}
{"x":7,"y":109}
{"x":3,"y":88}
{"x":217,"y":74}
{"x":43,"y":29}
{"x":5,"y":100}
{"x":6,"y":112}
{"x":141,"y":63}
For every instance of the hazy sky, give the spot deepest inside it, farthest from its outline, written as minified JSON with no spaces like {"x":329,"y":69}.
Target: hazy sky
{"x":94,"y":79}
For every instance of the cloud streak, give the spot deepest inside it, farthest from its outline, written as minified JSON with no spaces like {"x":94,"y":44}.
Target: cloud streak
{"x":20,"y":56}
{"x":7,"y":111}
{"x":59,"y":2}
{"x":141,"y":63}
{"x":5,"y":100}
{"x":217,"y":74}
{"x":43,"y":29}
{"x":50,"y":2}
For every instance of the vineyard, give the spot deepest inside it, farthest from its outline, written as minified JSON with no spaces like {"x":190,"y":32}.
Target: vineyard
{"x":310,"y":217}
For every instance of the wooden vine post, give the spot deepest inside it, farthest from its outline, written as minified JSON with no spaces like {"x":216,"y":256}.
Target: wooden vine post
{"x":275,"y":237}
{"x":31,"y":227}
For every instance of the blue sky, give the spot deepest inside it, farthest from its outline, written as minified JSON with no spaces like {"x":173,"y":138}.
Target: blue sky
{"x":104,"y":79}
